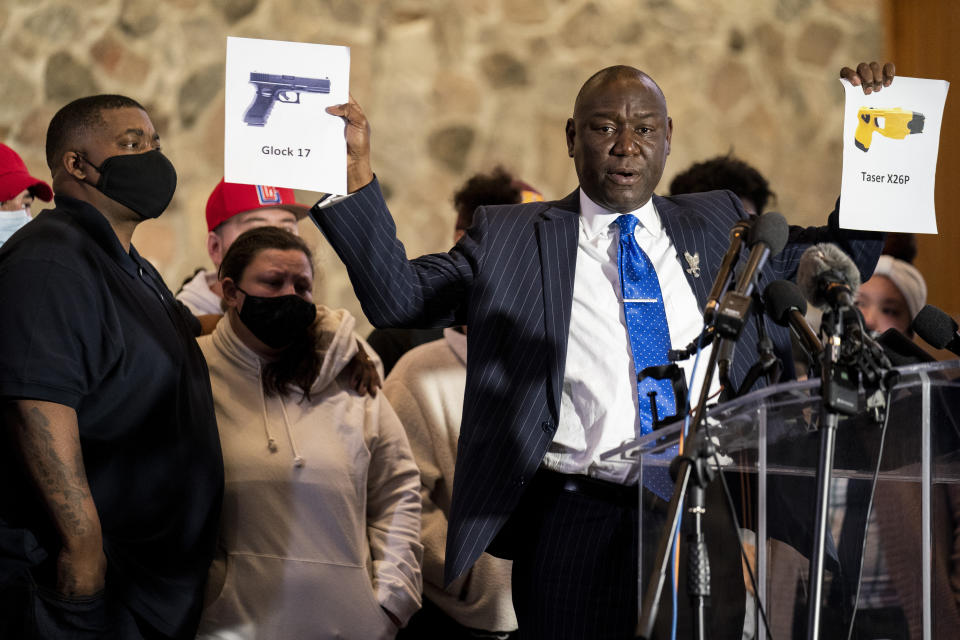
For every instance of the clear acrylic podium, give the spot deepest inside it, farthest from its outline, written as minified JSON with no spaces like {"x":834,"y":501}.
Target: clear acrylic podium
{"x":769,"y":446}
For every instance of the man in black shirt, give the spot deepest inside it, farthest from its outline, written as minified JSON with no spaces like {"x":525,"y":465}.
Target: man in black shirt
{"x":111,"y":470}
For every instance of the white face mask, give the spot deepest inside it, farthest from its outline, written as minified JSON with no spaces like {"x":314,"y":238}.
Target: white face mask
{"x":10,"y":221}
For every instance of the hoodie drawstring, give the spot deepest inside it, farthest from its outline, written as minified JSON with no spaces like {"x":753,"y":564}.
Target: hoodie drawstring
{"x":298,"y":460}
{"x":271,"y":441}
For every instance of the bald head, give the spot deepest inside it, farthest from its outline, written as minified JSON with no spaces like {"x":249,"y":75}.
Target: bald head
{"x":616,"y":73}
{"x":619,"y":138}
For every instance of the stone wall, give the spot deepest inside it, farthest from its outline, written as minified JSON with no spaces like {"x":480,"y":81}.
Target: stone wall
{"x":452,"y":88}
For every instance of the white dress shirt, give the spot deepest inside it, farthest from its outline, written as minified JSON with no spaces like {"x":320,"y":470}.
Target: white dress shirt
{"x":598,"y":406}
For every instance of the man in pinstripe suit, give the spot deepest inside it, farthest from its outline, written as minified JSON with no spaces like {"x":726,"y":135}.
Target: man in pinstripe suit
{"x":549,"y":378}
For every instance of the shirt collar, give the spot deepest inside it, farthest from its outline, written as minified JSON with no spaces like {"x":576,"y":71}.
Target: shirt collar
{"x":595,"y":219}
{"x":95,"y":224}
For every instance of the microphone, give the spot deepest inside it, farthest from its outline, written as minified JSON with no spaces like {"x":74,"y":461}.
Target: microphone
{"x":827,"y":276}
{"x":902,"y":350}
{"x":725,"y":275}
{"x":768,"y":237}
{"x":785,"y":304}
{"x":937,"y":329}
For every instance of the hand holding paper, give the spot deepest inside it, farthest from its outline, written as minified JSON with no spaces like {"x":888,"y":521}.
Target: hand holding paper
{"x":890,"y":146}
{"x":276,"y":130}
{"x":870,"y":75}
{"x":357,"y":134}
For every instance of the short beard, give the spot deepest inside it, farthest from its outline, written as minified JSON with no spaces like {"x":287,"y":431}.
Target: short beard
{"x":298,"y":365}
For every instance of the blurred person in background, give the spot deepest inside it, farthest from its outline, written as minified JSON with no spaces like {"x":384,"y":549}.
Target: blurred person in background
{"x":892,"y":297}
{"x":232,"y":209}
{"x":496,"y":187}
{"x":18,"y":190}
{"x":726,"y":172}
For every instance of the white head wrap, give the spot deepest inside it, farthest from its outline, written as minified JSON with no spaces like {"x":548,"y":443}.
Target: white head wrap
{"x":907,"y":279}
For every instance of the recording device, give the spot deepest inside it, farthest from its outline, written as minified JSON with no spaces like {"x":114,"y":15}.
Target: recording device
{"x":678,"y":382}
{"x":768,"y":237}
{"x":851,"y":358}
{"x":721,"y":283}
{"x":937,"y":329}
{"x":785,"y":304}
{"x":828,"y":277}
{"x":739,"y":232}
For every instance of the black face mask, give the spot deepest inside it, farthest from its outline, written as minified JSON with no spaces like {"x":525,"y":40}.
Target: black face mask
{"x":144,"y":182}
{"x":277,"y":321}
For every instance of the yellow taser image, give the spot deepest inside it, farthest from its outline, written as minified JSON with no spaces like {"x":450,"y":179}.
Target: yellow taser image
{"x":894,"y":123}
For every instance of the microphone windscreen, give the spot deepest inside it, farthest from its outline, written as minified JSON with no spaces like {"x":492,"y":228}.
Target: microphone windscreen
{"x":820,"y":259}
{"x":772,"y":230}
{"x":780,"y":297}
{"x":936,"y":327}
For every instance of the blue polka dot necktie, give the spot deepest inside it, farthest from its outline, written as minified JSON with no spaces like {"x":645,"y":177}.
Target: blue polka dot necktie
{"x":646,"y":322}
{"x":649,"y":340}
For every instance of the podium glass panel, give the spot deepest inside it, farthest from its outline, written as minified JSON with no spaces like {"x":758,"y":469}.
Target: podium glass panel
{"x":768,"y":447}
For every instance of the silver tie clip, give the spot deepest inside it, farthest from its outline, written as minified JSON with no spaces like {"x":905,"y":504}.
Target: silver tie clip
{"x":639,"y":299}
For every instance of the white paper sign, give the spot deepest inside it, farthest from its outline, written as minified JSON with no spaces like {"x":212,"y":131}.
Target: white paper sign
{"x":276,"y":130}
{"x":890,"y":144}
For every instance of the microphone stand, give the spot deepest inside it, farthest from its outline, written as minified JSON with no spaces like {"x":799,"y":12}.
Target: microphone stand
{"x":698,"y":582}
{"x":767,"y":364}
{"x":847,"y":360}
{"x":727,"y":319}
{"x":839,"y":387}
{"x":697,"y":468}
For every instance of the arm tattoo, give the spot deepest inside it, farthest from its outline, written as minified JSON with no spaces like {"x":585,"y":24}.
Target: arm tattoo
{"x":62,"y":483}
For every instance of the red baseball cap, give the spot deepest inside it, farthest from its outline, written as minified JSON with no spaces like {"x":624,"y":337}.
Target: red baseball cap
{"x":230,"y":198}
{"x":14,"y":178}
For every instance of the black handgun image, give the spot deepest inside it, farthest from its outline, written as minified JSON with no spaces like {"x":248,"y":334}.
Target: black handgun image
{"x":272,"y":88}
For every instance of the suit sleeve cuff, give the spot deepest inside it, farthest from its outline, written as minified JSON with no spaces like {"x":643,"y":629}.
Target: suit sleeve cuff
{"x":330,"y":199}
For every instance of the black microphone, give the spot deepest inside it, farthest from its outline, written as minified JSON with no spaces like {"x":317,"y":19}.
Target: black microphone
{"x":902,"y":350}
{"x":827,"y":276}
{"x":937,"y":329}
{"x":738,"y":233}
{"x":786,"y":305}
{"x":768,"y":237}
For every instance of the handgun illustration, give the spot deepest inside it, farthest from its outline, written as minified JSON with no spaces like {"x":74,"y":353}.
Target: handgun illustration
{"x":272,"y":88}
{"x":895,"y":123}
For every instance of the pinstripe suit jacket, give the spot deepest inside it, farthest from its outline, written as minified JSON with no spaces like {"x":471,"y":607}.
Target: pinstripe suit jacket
{"x":510,"y":279}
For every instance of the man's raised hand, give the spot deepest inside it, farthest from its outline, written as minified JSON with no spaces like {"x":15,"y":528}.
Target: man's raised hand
{"x":870,"y":75}
{"x":357,"y":134}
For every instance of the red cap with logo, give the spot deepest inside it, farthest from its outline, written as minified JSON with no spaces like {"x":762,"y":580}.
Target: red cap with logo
{"x":14,"y":178}
{"x":229,"y":199}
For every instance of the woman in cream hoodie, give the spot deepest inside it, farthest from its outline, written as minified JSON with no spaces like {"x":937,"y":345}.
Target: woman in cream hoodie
{"x":321,"y":515}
